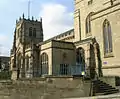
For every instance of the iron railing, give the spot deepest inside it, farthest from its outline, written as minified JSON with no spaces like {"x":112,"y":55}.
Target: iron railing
{"x":56,"y":70}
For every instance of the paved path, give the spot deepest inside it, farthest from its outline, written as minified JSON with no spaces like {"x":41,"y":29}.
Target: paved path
{"x":112,"y":96}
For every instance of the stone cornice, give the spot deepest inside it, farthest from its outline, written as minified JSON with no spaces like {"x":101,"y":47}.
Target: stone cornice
{"x":83,"y":41}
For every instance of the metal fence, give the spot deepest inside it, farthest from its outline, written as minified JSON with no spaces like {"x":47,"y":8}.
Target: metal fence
{"x":65,"y":69}
{"x":56,"y":70}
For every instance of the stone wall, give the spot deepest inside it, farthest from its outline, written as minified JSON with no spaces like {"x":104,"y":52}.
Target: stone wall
{"x":109,"y":80}
{"x":44,"y":88}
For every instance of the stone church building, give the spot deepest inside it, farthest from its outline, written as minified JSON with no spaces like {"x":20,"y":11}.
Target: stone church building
{"x":92,"y":47}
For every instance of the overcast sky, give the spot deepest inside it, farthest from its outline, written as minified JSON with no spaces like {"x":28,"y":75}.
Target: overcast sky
{"x":57,"y":17}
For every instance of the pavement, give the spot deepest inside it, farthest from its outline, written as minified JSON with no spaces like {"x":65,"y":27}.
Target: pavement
{"x":112,"y":96}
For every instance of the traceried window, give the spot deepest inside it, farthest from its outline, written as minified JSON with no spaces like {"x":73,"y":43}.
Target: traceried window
{"x":30,"y":31}
{"x":107,"y":36}
{"x":88,"y":23}
{"x":44,"y":63}
{"x":34,"y":32}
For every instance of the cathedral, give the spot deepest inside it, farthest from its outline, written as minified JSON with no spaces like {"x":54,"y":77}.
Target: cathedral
{"x":91,"y":48}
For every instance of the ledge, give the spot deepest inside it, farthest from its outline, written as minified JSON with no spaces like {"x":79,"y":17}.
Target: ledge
{"x":108,"y":55}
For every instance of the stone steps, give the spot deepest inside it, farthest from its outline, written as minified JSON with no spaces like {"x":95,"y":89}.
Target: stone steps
{"x":102,"y":88}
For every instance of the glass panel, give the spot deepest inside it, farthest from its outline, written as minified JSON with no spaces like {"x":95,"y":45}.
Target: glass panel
{"x":105,"y":39}
{"x":110,"y":38}
{"x":89,"y":24}
{"x":86,"y":26}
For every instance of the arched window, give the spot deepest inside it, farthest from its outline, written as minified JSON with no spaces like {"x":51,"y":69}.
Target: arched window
{"x":88,"y":23}
{"x":80,"y":58}
{"x":19,"y":32}
{"x":107,"y":36}
{"x":34,"y":32}
{"x":44,"y":63}
{"x":30,"y":31}
{"x":27,"y":63}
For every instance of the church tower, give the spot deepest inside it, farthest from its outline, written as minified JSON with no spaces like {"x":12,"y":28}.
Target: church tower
{"x":28,"y":33}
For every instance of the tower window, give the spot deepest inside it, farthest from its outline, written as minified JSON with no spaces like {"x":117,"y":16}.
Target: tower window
{"x":107,"y":36}
{"x":19,"y":32}
{"x":34,"y":32}
{"x":30,"y":31}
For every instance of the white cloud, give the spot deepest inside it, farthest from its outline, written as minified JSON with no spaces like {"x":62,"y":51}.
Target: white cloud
{"x":56,"y":19}
{"x":4,"y":45}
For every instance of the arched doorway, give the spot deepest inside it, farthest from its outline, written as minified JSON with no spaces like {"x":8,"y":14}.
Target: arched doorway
{"x":44,"y":64}
{"x":80,"y":59}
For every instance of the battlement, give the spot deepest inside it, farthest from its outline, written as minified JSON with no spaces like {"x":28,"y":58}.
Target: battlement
{"x":21,"y":19}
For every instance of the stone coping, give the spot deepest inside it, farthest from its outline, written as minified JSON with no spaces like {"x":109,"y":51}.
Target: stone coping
{"x":43,"y":78}
{"x":31,"y":79}
{"x":59,"y":76}
{"x":4,"y":81}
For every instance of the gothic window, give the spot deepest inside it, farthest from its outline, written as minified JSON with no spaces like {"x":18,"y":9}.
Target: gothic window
{"x":107,"y":36}
{"x":27,"y":63}
{"x":19,"y":32}
{"x":30,"y":31}
{"x":34,"y":32}
{"x":80,"y":55}
{"x":88,"y":23}
{"x":44,"y":63}
{"x":80,"y":58}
